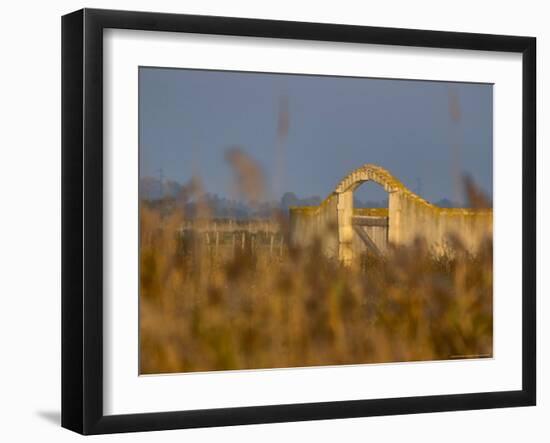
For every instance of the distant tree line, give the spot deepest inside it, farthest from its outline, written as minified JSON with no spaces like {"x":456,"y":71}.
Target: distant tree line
{"x":169,"y":194}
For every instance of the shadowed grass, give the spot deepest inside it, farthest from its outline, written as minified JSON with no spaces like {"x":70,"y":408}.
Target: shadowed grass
{"x":202,"y":312}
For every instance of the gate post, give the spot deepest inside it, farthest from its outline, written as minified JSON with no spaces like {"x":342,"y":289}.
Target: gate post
{"x":394,"y":217}
{"x":345,"y":227}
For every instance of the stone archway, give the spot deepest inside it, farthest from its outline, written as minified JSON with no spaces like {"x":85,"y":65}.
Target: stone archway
{"x":408,"y":217}
{"x":344,"y":194}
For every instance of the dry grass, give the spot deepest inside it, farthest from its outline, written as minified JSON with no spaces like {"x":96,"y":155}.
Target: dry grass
{"x":200,"y":312}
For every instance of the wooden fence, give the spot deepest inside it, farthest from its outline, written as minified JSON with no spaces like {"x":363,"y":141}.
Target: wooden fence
{"x":229,"y":235}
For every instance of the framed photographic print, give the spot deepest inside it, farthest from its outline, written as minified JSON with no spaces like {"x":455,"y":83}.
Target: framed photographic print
{"x":269,"y":221}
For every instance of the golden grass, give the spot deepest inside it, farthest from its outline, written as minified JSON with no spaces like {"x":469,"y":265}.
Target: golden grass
{"x":204,"y":312}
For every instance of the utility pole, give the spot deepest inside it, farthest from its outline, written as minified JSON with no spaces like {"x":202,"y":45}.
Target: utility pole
{"x":161,"y":184}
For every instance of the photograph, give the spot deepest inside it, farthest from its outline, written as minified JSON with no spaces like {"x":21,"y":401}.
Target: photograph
{"x":290,"y":220}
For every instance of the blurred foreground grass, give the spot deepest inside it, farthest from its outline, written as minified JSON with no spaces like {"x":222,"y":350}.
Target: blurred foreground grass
{"x":200,"y":312}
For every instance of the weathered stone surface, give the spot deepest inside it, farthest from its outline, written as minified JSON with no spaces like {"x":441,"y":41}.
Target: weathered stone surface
{"x":409,"y":217}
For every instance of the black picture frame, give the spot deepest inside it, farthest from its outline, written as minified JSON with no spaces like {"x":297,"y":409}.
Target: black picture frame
{"x":82,"y":221}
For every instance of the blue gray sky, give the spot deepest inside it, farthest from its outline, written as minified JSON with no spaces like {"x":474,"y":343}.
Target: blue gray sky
{"x":307,"y":132}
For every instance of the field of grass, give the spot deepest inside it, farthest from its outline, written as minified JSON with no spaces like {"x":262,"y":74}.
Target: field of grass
{"x":204,"y":312}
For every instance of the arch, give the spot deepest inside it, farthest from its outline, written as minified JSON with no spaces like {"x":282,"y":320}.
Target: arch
{"x":377,"y":174}
{"x":344,"y":195}
{"x":409,"y":217}
{"x":369,"y":172}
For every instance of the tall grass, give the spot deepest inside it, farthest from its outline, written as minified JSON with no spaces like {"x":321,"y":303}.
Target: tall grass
{"x":202,"y":312}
